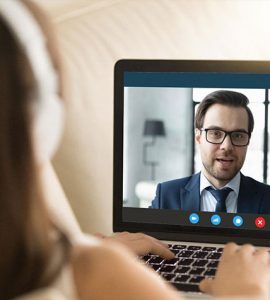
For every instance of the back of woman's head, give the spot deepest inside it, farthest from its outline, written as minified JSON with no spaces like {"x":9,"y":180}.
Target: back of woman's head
{"x":26,"y":246}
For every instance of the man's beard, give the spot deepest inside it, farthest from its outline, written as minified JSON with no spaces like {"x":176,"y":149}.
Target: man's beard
{"x":221,"y":175}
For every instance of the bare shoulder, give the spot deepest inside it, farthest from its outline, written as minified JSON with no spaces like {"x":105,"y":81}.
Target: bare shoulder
{"x":109,"y":271}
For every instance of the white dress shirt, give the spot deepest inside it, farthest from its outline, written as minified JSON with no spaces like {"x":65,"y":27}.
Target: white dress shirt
{"x":208,"y":201}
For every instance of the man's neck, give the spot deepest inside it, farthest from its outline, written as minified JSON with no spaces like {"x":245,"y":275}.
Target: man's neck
{"x":218,"y":184}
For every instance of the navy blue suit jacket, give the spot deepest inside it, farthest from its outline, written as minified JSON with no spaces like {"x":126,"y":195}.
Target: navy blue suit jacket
{"x":184,"y":194}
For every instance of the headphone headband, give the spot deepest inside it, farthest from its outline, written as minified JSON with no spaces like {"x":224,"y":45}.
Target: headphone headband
{"x":28,"y":32}
{"x":48,"y":109}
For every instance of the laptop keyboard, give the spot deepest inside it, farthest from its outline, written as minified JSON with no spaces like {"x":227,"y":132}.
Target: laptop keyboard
{"x":190,"y":265}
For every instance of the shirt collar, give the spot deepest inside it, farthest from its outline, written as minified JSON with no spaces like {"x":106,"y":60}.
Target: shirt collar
{"x":234,"y":184}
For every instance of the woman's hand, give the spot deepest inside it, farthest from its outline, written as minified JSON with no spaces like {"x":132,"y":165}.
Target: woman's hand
{"x":141,"y":244}
{"x":241,"y":271}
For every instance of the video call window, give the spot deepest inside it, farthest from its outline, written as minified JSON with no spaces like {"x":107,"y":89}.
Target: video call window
{"x":258,"y":104}
{"x":159,"y":138}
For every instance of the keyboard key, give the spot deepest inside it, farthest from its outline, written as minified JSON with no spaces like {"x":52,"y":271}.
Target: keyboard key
{"x":195,"y":248}
{"x":181,"y":278}
{"x":175,"y":251}
{"x":179,"y":247}
{"x":196,"y":271}
{"x":172,"y":261}
{"x":146,"y":257}
{"x":155,"y":267}
{"x":196,"y":279}
{"x":220,"y":249}
{"x":200,"y":254}
{"x":156,"y":260}
{"x":181,"y":270}
{"x":210,"y":272}
{"x":200,"y":262}
{"x":185,"y":253}
{"x":208,"y":249}
{"x":166,"y":269}
{"x":212,"y":264}
{"x":168,"y":276}
{"x":185,"y":261}
{"x":214,"y":255}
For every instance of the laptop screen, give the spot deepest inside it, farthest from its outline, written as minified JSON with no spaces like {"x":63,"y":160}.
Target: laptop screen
{"x":163,"y":164}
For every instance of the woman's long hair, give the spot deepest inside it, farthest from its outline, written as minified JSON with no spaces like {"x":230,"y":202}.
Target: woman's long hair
{"x":26,"y":246}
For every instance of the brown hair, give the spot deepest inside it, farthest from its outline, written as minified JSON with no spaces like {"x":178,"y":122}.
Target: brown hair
{"x":229,"y":98}
{"x":26,"y":245}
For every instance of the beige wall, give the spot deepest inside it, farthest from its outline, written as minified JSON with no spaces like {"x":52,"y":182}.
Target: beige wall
{"x":94,"y":34}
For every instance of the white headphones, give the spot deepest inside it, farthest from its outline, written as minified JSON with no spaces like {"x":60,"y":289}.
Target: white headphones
{"x":48,"y":108}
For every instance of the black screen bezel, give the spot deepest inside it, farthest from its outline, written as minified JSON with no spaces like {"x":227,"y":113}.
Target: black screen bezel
{"x":174,"y":232}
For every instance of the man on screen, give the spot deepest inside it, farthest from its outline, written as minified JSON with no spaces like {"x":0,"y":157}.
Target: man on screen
{"x":223,"y":127}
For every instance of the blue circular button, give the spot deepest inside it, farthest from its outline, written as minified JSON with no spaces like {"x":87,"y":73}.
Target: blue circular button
{"x":194,"y":218}
{"x":215,"y":220}
{"x":238,"y":221}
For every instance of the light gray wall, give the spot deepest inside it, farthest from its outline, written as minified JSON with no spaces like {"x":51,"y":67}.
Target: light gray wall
{"x":172,"y":105}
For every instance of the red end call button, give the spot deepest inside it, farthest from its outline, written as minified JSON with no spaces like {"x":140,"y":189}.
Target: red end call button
{"x":260,"y":222}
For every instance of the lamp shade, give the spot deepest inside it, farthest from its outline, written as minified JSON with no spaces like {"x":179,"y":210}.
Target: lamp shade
{"x":154,"y":128}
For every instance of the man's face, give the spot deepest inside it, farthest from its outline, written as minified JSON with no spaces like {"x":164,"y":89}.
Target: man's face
{"x":221,"y":162}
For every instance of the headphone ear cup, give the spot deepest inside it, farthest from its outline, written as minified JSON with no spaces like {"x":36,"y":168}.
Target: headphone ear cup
{"x":48,"y":126}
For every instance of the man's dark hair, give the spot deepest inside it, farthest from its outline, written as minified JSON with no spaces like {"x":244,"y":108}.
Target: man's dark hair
{"x":228,"y":98}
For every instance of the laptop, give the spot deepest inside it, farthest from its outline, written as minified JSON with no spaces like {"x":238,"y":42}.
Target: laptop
{"x":154,"y":107}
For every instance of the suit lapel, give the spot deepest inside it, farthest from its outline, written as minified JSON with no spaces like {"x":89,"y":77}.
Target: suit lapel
{"x":190,"y":194}
{"x":248,"y":200}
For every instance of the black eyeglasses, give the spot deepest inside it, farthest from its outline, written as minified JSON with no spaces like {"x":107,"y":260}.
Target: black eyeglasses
{"x":217,"y":136}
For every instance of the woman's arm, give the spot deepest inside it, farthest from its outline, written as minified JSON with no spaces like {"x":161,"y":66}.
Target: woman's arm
{"x":110,"y":271}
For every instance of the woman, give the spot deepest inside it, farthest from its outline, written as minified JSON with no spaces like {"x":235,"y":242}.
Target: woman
{"x":37,"y":252}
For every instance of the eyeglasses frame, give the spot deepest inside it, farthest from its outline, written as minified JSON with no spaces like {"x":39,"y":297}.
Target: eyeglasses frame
{"x":226,"y":133}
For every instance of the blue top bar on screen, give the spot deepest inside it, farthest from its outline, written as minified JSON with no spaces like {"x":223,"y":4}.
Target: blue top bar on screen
{"x":196,"y":80}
